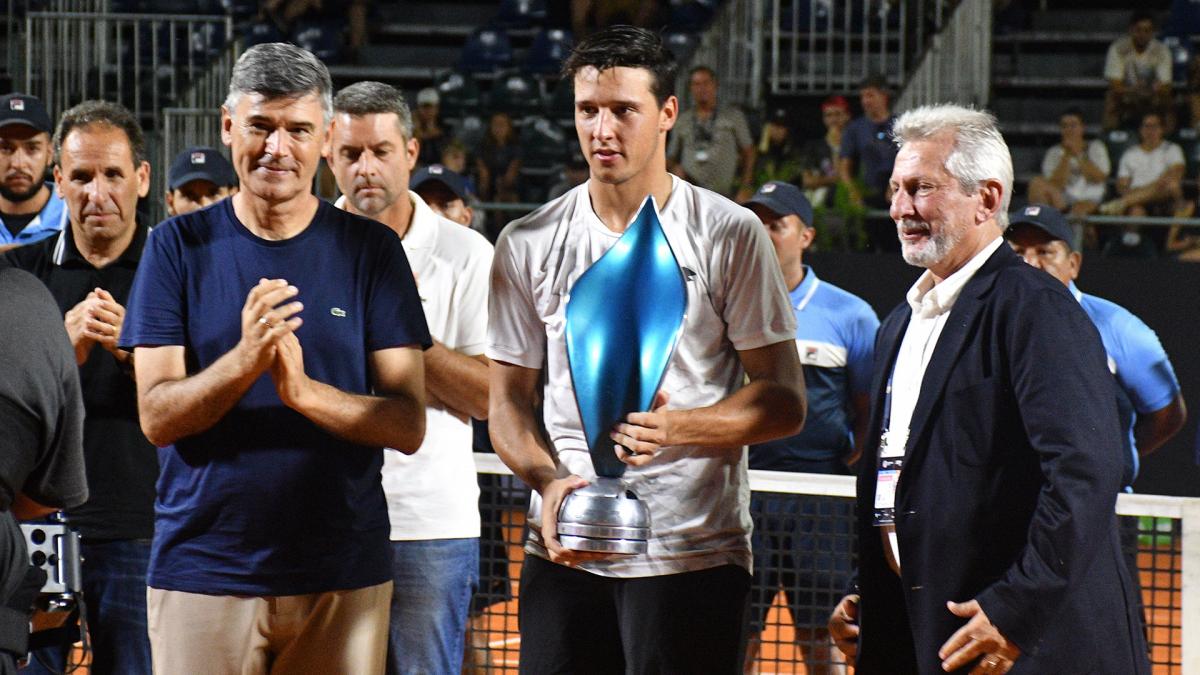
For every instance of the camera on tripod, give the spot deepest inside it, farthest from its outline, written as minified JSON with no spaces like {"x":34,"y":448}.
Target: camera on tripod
{"x":54,"y":547}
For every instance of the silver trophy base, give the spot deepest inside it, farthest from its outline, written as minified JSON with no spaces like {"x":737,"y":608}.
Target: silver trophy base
{"x":604,"y":517}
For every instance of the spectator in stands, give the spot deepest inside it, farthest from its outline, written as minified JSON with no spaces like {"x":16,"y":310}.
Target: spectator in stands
{"x":710,"y":145}
{"x":445,"y":192}
{"x":427,"y":127}
{"x":1149,"y":182}
{"x":1138,"y":70}
{"x":820,"y":155}
{"x":199,"y":176}
{"x":1149,"y":399}
{"x":271,"y":533}
{"x":778,"y":156}
{"x":432,"y":495}
{"x":866,"y":158}
{"x":680,"y":606}
{"x":498,"y":166}
{"x":89,"y":267}
{"x":286,"y":14}
{"x":29,"y":208}
{"x":1074,"y":172}
{"x":574,"y":173}
{"x":803,"y":543}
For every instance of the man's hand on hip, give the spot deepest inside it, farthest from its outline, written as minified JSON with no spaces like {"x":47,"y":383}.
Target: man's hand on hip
{"x":978,"y":638}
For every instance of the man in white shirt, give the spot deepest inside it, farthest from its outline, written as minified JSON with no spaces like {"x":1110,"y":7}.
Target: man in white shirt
{"x":1138,"y":70}
{"x":987,"y":535}
{"x":1150,"y":174}
{"x":432,"y":495}
{"x":1074,"y":171}
{"x":680,"y":606}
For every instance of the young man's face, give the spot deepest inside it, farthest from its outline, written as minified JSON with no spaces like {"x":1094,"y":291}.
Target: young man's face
{"x":834,"y":118}
{"x":620,"y":125}
{"x":275,"y":144}
{"x":100,"y":181}
{"x":703,"y":87}
{"x":195,"y":195}
{"x":25,"y":154}
{"x":445,"y":203}
{"x":789,"y":235}
{"x":1151,"y":130}
{"x":1071,"y":127}
{"x":874,"y":101}
{"x":371,"y":160}
{"x":1142,"y":32}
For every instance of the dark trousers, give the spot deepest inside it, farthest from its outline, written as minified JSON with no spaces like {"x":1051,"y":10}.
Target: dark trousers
{"x":581,"y":623}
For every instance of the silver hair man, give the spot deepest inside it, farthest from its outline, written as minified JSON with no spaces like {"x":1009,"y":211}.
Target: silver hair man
{"x":280,"y":70}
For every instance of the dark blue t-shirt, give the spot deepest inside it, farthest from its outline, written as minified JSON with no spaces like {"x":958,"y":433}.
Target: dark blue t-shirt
{"x":266,"y":502}
{"x":871,"y":147}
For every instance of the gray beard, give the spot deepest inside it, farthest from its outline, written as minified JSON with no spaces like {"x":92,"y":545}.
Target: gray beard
{"x":934,"y":250}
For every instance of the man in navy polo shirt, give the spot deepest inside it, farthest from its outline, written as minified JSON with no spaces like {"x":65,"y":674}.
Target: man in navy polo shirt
{"x":1148,"y":395}
{"x":278,"y":343}
{"x":803,"y":543}
{"x":29,"y":208}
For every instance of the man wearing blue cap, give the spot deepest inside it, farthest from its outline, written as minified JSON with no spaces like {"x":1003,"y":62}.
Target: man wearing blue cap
{"x":199,"y":176}
{"x":1148,"y":395}
{"x":835,"y":339}
{"x":445,"y":192}
{"x":29,"y":208}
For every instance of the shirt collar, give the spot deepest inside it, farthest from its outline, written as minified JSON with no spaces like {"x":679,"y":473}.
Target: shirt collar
{"x":929,"y":300}
{"x":1078,"y":294}
{"x":803,"y":292}
{"x":66,"y":253}
{"x":422,"y":228}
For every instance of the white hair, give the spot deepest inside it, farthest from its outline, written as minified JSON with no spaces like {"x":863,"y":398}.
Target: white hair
{"x":979,"y":151}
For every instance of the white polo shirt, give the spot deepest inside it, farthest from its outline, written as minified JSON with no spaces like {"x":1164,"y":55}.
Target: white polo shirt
{"x":736,"y":300}
{"x":433,"y":493}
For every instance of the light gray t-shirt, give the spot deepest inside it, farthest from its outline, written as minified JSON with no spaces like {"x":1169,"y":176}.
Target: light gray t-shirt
{"x":1079,"y":188}
{"x":708,"y":150}
{"x":736,"y":300}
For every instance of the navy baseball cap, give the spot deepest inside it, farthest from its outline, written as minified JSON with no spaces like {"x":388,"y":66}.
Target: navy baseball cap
{"x":24,"y":109}
{"x":436,"y":173}
{"x":1047,"y":219}
{"x":784,"y":199}
{"x":200,"y":163}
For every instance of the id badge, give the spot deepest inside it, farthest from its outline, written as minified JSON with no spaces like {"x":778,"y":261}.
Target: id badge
{"x":885,"y":497}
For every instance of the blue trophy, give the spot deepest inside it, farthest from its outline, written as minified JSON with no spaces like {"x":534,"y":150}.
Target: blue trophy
{"x":623,"y":320}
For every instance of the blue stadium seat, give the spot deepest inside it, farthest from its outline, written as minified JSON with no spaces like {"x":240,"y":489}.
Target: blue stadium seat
{"x":681,"y":44}
{"x":458,"y":94}
{"x":544,"y":144}
{"x":521,"y":13}
{"x":550,"y":48}
{"x":470,"y":131}
{"x":322,"y":38}
{"x":516,"y":94}
{"x":692,"y":15}
{"x":488,"y":49}
{"x":261,"y":32}
{"x":1181,"y":56}
{"x":560,"y":104}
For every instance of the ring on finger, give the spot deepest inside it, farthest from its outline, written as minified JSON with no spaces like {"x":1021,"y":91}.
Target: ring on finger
{"x":263,"y":320}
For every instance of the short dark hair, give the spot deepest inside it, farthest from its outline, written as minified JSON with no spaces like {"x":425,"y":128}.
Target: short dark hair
{"x":626,"y":47}
{"x":105,"y":113}
{"x":1073,"y":111}
{"x":1140,"y":16}
{"x":876,"y":81}
{"x":703,"y":69}
{"x":375,"y":98}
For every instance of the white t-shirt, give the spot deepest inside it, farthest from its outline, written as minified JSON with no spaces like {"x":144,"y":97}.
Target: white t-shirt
{"x":1144,"y":167}
{"x":1126,"y":64}
{"x":1078,"y":188}
{"x":433,"y":493}
{"x":736,"y":300}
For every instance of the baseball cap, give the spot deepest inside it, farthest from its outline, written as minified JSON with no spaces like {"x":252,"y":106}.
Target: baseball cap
{"x":427,"y":96}
{"x":24,"y":109}
{"x":436,"y":173}
{"x":200,"y":163}
{"x":1047,"y":219}
{"x":784,"y":199}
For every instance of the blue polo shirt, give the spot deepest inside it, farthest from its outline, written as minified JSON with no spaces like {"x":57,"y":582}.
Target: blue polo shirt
{"x":1137,"y":359}
{"x":835,"y":336}
{"x":871,"y":146}
{"x":266,"y":502}
{"x":50,"y":220}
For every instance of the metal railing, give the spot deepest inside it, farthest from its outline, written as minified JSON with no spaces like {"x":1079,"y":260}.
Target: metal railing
{"x":143,"y":61}
{"x":819,"y":46}
{"x":732,"y":46}
{"x":957,"y":66}
{"x":182,"y":128}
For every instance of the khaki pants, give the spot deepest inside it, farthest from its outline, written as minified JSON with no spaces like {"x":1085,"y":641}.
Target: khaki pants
{"x":329,"y":633}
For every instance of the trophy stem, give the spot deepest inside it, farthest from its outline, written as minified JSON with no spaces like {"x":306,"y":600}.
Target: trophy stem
{"x":604,"y":517}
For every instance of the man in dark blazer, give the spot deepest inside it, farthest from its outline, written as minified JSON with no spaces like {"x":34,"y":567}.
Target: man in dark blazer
{"x":988,"y":540}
